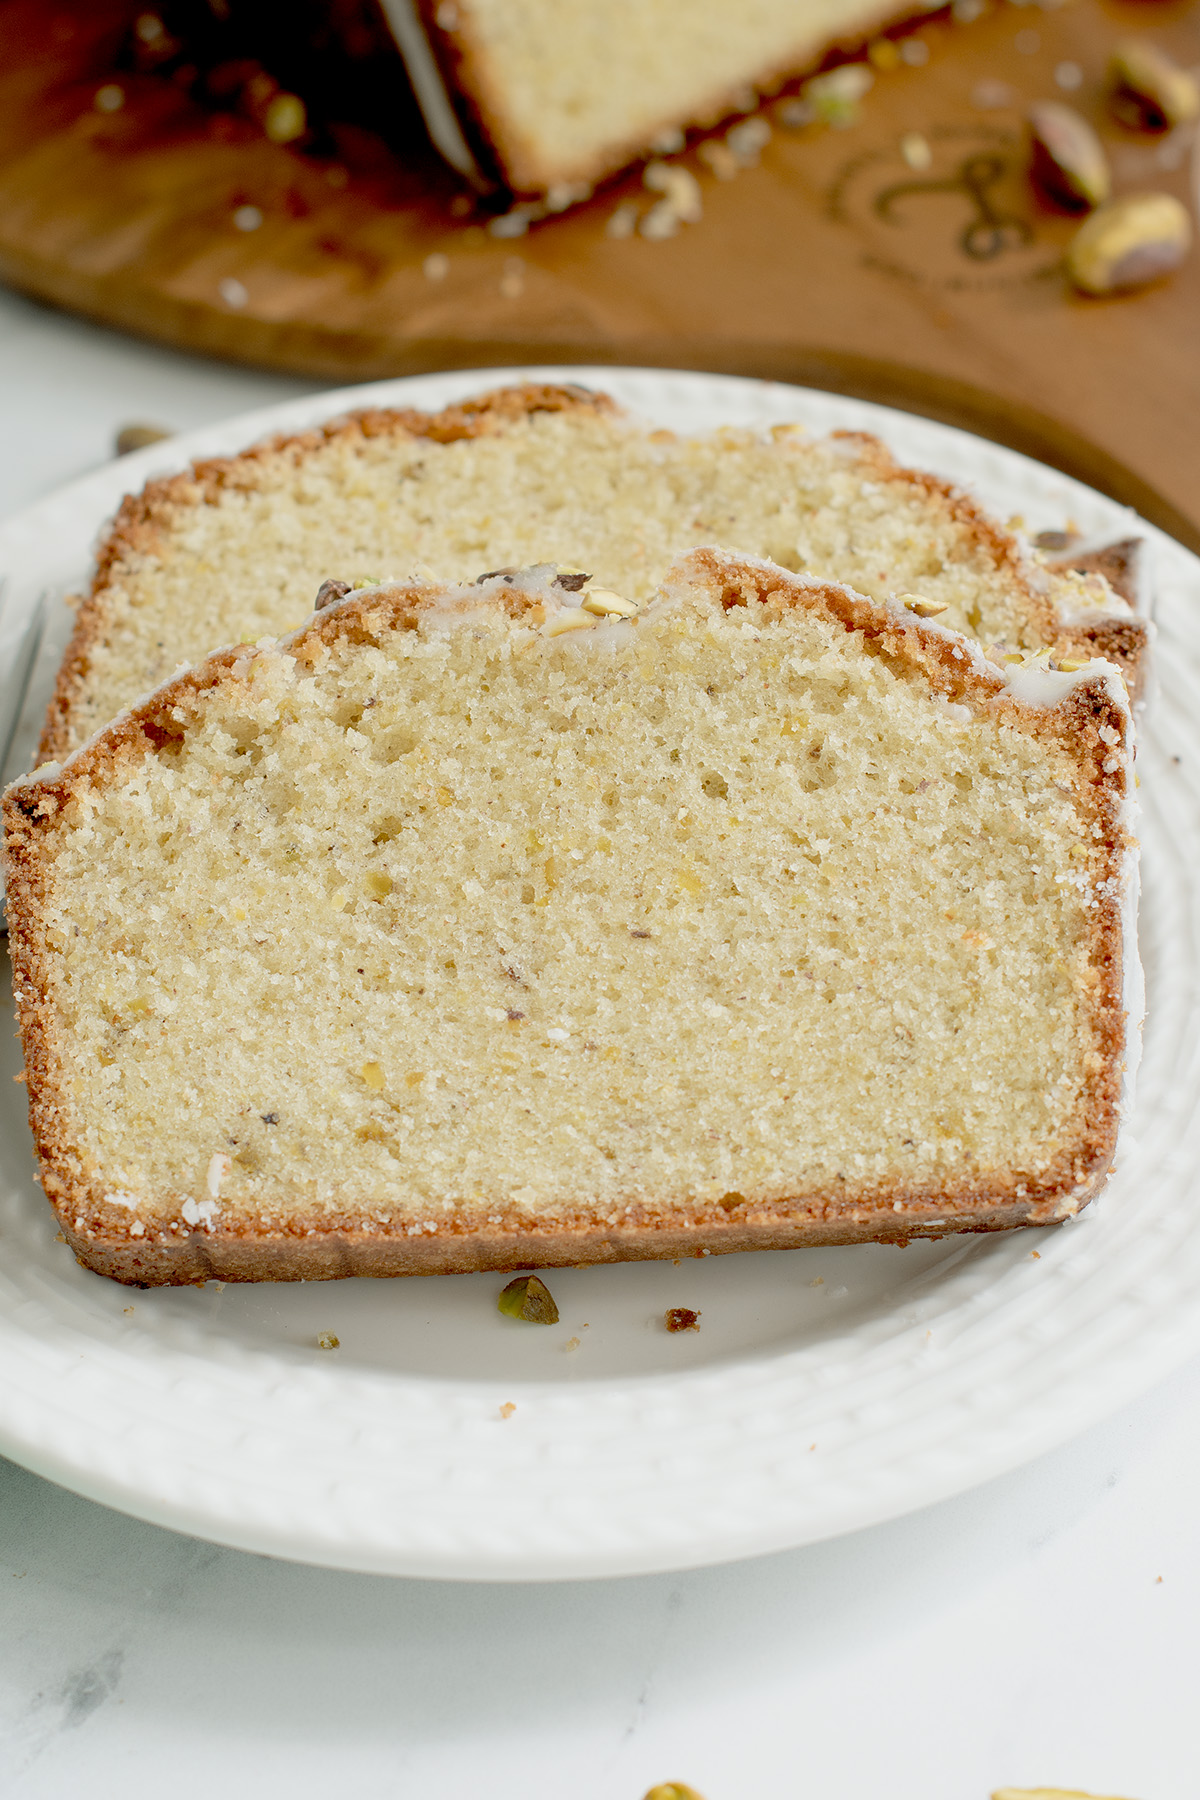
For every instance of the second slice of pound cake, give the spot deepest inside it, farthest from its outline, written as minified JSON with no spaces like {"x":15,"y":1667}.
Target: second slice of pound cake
{"x":491,"y":926}
{"x":238,"y":548}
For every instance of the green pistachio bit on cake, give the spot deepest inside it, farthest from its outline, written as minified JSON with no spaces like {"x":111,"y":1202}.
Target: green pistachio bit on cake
{"x":530,"y":1299}
{"x":571,"y":618}
{"x":330,"y":592}
{"x":607,"y":605}
{"x":924,"y":609}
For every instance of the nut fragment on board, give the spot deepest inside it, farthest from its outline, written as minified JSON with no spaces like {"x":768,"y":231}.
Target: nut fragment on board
{"x":1068,"y":164}
{"x":1150,"y":92}
{"x":679,"y":186}
{"x":835,"y":97}
{"x":1128,"y":243}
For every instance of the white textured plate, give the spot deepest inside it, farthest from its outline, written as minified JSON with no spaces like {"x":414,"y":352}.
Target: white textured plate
{"x":825,"y":1390}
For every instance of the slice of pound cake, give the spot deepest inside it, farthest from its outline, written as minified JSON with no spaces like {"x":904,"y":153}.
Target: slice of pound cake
{"x":564,"y":95}
{"x":496,"y":926}
{"x":236,"y":549}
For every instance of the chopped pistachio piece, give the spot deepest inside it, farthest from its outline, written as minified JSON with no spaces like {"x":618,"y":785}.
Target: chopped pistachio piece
{"x":673,"y":1790}
{"x":139,"y":437}
{"x":530,"y":1299}
{"x":924,"y":609}
{"x":571,"y":618}
{"x":607,"y":605}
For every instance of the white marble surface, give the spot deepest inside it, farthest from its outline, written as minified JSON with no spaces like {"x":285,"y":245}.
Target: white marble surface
{"x":1039,"y":1630}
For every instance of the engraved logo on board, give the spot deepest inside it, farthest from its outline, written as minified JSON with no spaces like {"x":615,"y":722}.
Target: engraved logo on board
{"x":966,"y":221}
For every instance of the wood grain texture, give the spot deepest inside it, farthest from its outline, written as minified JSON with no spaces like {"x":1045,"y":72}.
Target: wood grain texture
{"x":832,"y":262}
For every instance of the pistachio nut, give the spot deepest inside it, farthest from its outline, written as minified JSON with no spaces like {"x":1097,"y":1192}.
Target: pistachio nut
{"x":1150,"y":92}
{"x":673,"y":1790}
{"x":138,"y":437}
{"x":1069,"y":164}
{"x":1128,"y":243}
{"x":528,"y":1298}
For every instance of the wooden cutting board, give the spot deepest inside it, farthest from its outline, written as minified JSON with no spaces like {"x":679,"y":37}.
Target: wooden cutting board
{"x":833,"y":261}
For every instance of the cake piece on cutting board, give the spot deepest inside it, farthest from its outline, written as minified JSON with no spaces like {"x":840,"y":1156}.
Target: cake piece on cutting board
{"x":237,"y":548}
{"x":505,"y":925}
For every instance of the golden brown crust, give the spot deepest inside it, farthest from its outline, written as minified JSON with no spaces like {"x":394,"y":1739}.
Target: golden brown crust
{"x":194,"y":1257}
{"x":1122,"y":638}
{"x":145,"y":520}
{"x":316,"y":1246}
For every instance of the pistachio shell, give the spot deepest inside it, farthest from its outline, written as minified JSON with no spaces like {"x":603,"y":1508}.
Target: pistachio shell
{"x":1069,"y":163}
{"x":1128,"y":243}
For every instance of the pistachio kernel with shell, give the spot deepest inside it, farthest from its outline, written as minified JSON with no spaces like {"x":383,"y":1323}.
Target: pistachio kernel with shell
{"x":1129,"y":243}
{"x":1150,"y":92}
{"x":924,"y":609}
{"x":530,"y":1299}
{"x":1069,"y":164}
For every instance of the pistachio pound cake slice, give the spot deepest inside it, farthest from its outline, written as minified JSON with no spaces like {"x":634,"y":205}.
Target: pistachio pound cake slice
{"x":235,"y":549}
{"x":499,"y":926}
